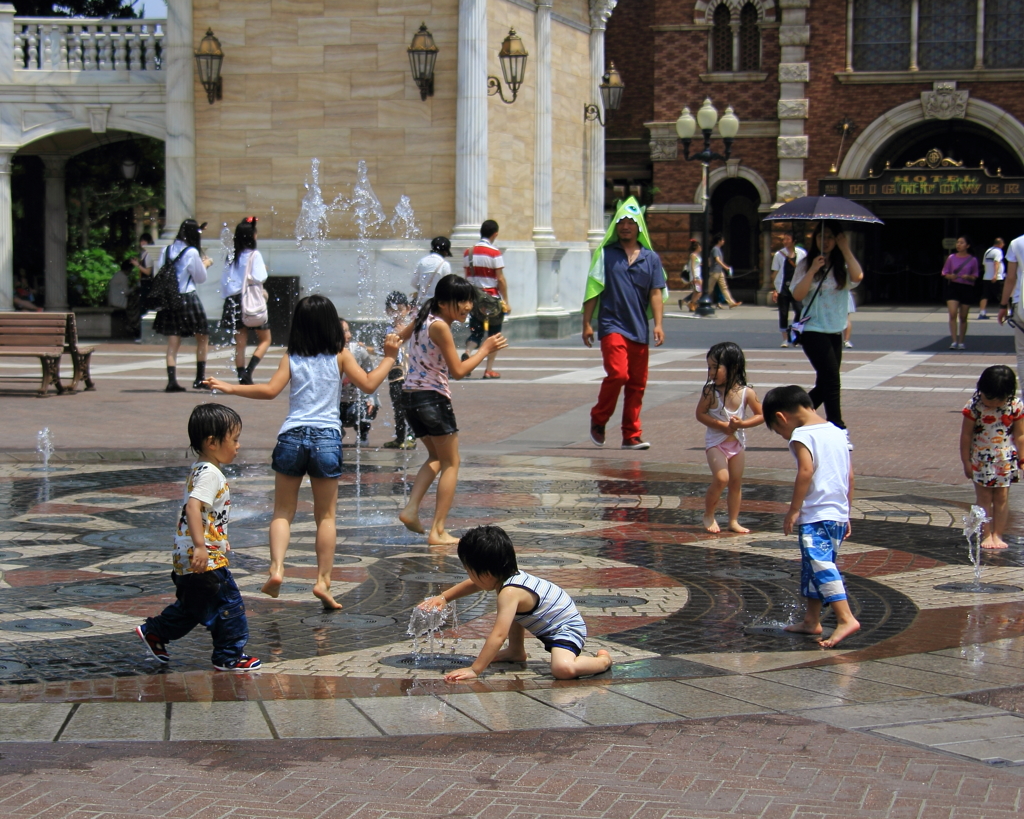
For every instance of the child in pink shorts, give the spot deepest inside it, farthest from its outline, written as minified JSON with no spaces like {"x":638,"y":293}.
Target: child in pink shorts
{"x":723,"y":405}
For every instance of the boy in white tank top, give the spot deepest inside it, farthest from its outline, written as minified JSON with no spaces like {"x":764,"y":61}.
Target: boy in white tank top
{"x":820,"y":510}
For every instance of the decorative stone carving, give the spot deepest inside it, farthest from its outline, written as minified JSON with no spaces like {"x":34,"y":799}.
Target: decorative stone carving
{"x":704,"y":10}
{"x":664,"y":149}
{"x":794,"y":72}
{"x":787,"y":191}
{"x":732,"y":168}
{"x":98,"y":118}
{"x":944,"y":101}
{"x":794,"y":4}
{"x":792,"y":147}
{"x":600,"y":11}
{"x":794,"y":35}
{"x":793,"y":109}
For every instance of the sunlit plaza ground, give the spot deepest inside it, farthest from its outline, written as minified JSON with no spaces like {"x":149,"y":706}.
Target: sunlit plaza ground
{"x":709,"y":710}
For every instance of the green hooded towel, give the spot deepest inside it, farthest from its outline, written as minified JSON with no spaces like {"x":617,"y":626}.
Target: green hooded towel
{"x":630,"y":209}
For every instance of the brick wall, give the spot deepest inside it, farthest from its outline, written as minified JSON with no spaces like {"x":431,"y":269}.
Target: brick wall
{"x":629,"y":43}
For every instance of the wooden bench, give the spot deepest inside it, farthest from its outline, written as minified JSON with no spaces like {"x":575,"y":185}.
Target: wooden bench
{"x":81,"y":357}
{"x":36,"y":335}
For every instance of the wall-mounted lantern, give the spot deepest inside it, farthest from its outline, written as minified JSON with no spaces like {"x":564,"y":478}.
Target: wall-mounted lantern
{"x":611,"y":95}
{"x":422,"y":56}
{"x":208,"y":62}
{"x":512,"y":56}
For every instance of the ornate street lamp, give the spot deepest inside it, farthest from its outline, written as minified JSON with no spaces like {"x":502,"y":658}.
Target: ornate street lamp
{"x":512,"y":56}
{"x":208,"y":62}
{"x":422,"y":56}
{"x":728,"y":127}
{"x":611,"y":95}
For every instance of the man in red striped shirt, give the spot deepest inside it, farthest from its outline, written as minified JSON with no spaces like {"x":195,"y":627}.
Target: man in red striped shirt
{"x":486,"y":270}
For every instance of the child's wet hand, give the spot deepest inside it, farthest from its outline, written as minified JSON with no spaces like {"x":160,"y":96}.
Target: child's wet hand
{"x":436,"y":602}
{"x":217,"y":384}
{"x":460,"y":674}
{"x":498,"y":342}
{"x":200,"y":559}
{"x":789,"y":522}
{"x":392,"y":344}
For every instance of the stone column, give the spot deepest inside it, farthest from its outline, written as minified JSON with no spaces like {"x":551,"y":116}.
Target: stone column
{"x":543,"y":232}
{"x":180,"y":147}
{"x":794,"y":74}
{"x":600,"y":11}
{"x":55,"y":247}
{"x":471,"y":123}
{"x":6,"y":43}
{"x":6,"y":233}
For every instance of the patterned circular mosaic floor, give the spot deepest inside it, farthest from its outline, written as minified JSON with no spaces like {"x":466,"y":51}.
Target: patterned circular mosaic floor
{"x":84,"y":556}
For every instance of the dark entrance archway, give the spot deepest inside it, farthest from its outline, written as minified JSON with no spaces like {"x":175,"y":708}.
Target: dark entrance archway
{"x":734,"y":204}
{"x":903,"y":259}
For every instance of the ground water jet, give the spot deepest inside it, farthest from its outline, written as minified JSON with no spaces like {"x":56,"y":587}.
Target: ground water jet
{"x":44,"y":446}
{"x":974,"y":523}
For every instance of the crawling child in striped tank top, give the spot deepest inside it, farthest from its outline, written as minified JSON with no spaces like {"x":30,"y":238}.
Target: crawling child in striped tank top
{"x":525,"y":603}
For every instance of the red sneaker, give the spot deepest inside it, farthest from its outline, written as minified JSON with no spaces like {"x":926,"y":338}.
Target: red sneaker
{"x":597,"y":434}
{"x":635,"y":443}
{"x":241,"y":665}
{"x":154,"y":644}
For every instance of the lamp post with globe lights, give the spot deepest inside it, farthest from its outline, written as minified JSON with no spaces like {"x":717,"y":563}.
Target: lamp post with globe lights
{"x":686,"y":126}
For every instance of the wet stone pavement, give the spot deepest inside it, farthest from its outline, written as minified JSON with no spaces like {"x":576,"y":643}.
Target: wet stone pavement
{"x":691,"y":619}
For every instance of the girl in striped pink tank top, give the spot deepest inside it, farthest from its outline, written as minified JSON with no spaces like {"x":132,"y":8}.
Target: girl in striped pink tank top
{"x":433,"y":359}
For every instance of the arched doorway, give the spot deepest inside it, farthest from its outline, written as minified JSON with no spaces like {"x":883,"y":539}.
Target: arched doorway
{"x":904,"y":257}
{"x":734,"y":204}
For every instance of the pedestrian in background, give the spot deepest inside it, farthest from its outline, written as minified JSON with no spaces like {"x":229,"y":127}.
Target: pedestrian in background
{"x":960,"y":272}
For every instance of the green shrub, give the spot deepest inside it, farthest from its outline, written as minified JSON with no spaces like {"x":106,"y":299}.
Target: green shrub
{"x":89,"y":275}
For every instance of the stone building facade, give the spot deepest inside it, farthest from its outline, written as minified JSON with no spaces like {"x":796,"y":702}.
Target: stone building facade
{"x":906,"y":76}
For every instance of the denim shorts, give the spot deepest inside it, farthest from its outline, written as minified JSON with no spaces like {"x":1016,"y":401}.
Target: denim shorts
{"x":309,"y":451}
{"x":429,"y":413}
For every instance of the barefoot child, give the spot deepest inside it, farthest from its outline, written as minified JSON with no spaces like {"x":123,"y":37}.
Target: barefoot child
{"x":525,"y":603}
{"x":991,"y":438}
{"x":428,"y":399}
{"x":722,"y":407}
{"x":309,"y":442}
{"x":820,"y":510}
{"x":206,"y":593}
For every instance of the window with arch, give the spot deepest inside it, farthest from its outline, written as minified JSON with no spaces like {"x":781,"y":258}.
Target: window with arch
{"x":1004,"y":34}
{"x":750,"y":39}
{"x":721,"y":39}
{"x":881,"y":35}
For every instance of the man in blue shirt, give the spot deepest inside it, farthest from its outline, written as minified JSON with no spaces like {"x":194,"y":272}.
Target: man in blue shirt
{"x":633,"y":282}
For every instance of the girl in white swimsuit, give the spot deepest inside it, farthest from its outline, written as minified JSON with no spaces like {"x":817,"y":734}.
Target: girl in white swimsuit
{"x":723,"y":404}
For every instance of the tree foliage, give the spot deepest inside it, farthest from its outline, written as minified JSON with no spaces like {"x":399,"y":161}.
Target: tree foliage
{"x":76,"y":8}
{"x":89,"y":275}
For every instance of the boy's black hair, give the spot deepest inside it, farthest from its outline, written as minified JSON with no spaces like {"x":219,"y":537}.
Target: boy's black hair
{"x":716,"y":239}
{"x":488,"y":229}
{"x":488,"y":550}
{"x":396,"y":298}
{"x":998,"y":381}
{"x":729,"y":355}
{"x":211,"y":421}
{"x":451,"y":289}
{"x":191,"y":234}
{"x":245,"y":236}
{"x":316,"y":328}
{"x":147,"y":238}
{"x":784,"y":399}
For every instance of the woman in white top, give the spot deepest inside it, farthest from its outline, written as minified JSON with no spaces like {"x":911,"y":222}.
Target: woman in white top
{"x":431,"y":269}
{"x":232,"y":280}
{"x":187,"y":318}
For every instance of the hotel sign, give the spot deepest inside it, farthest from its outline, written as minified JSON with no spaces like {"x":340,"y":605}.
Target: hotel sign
{"x":926,"y":185}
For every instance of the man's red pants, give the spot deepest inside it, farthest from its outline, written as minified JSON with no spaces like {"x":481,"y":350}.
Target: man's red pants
{"x":625,"y":363}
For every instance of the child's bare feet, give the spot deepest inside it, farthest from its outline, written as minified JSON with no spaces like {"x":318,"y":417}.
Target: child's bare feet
{"x":272,"y":587}
{"x":411,"y":521}
{"x":443,"y":539}
{"x":804,"y":627}
{"x":842,"y":631}
{"x":510,"y":655}
{"x":734,"y":526}
{"x":323,"y":594}
{"x":604,"y":655}
{"x":710,"y":524}
{"x":993,"y":542}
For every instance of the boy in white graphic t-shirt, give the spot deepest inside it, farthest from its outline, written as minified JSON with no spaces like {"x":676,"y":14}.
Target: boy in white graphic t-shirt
{"x":820,"y":510}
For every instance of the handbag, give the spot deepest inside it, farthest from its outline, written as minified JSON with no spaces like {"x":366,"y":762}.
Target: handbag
{"x":796,"y":329}
{"x":163,"y":293}
{"x":486,"y":306}
{"x":254,"y":298}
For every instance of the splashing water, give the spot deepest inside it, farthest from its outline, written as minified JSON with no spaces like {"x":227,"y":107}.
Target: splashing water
{"x":973,"y":525}
{"x":44,"y":446}
{"x":424,"y":624}
{"x":369,"y":217}
{"x":403,"y":221}
{"x":227,"y":243}
{"x":312,"y":224}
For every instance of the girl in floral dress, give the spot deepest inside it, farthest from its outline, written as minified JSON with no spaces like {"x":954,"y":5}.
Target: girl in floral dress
{"x":991,"y":440}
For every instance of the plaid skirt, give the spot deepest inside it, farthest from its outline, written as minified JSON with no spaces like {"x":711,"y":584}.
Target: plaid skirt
{"x":187,"y":321}
{"x":231,"y":316}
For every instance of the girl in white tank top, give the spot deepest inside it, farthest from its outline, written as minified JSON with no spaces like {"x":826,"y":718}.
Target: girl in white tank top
{"x":309,"y":442}
{"x":722,"y":407}
{"x":433,"y":359}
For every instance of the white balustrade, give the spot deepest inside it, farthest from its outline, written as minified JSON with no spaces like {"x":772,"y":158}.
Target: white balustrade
{"x":81,"y":44}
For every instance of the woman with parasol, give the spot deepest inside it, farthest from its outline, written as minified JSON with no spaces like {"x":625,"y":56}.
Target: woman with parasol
{"x":822,"y":282}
